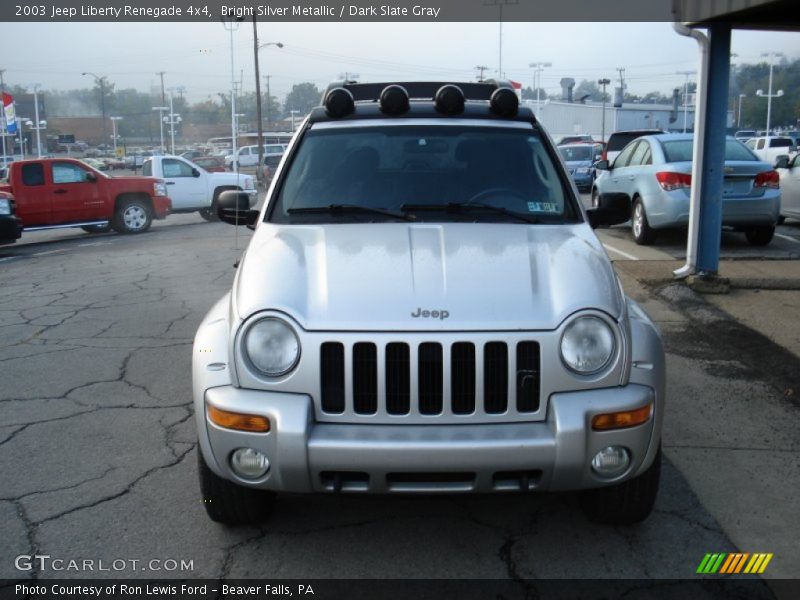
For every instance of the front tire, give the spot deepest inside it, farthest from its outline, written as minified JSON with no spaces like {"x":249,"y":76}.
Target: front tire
{"x":132,"y":216}
{"x":232,"y":504}
{"x":595,"y":197}
{"x":625,"y":503}
{"x":643,"y":234}
{"x":760,"y":236}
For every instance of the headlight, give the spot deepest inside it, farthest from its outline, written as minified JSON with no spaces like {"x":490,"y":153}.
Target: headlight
{"x":272,"y":347}
{"x":248,"y":184}
{"x":5,"y":206}
{"x":160,"y":188}
{"x":587,"y":345}
{"x":583,"y":170}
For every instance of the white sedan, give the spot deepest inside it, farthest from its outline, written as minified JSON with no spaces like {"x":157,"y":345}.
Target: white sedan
{"x":789,"y":172}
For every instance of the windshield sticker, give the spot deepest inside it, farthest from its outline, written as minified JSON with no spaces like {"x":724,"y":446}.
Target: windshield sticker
{"x":547,"y":207}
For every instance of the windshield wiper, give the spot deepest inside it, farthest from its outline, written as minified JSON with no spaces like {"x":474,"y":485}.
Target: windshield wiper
{"x":464,"y":207}
{"x":341,"y":209}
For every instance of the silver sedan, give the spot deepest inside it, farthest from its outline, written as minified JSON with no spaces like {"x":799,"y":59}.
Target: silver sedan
{"x":655,"y":173}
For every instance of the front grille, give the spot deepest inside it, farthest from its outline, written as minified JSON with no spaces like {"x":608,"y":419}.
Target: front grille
{"x":430,"y":378}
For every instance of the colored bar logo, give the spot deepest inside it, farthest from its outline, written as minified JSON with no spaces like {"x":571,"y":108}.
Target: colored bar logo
{"x":732,"y":563}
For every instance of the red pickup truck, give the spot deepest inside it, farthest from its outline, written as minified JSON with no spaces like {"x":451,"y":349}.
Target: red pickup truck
{"x":62,"y":192}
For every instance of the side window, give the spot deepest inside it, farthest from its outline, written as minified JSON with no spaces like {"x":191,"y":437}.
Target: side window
{"x":147,"y":168}
{"x":647,"y":159}
{"x":780,"y":143}
{"x":760,"y":144}
{"x":176,"y":168}
{"x":245,"y":152}
{"x":624,"y":157}
{"x":751,"y":144}
{"x":638,"y":156}
{"x":68,"y":173}
{"x":33,"y":174}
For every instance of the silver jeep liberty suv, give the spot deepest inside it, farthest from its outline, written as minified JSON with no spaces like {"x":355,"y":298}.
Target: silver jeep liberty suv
{"x":425,"y":308}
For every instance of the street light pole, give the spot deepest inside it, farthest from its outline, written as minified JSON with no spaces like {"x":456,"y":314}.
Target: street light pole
{"x":257,"y":47}
{"x":538,"y":67}
{"x":604,"y":82}
{"x":685,"y":97}
{"x":114,"y":129}
{"x":161,"y":110}
{"x":171,"y":124}
{"x":231,"y":26}
{"x":293,"y":113}
{"x":38,"y":123}
{"x":769,"y":95}
{"x":739,"y":116}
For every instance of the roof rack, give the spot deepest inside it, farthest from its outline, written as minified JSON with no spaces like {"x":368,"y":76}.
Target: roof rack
{"x":419,"y":90}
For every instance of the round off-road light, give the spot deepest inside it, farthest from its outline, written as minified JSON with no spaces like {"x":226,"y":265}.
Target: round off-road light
{"x":248,"y":463}
{"x":611,"y":461}
{"x":449,"y":100}
{"x":394,"y":100}
{"x":339,"y":103}
{"x":504,"y":102}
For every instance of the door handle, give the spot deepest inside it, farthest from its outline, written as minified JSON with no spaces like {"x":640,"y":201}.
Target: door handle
{"x":60,"y":191}
{"x":170,"y":183}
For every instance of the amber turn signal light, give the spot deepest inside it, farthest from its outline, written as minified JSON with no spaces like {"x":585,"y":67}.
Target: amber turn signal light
{"x":621,"y":420}
{"x":238,"y":421}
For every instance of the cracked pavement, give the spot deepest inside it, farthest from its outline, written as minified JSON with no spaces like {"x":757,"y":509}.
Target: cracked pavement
{"x":97,"y":443}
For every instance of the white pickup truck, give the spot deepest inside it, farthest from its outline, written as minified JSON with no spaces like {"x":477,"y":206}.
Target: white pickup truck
{"x":192,"y":188}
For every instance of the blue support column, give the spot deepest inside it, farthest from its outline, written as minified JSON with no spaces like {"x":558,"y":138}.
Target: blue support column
{"x":714,"y":155}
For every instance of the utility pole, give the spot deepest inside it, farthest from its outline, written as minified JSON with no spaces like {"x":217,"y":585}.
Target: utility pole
{"x":604,"y":82}
{"x":739,"y":117}
{"x":538,"y":67}
{"x":685,"y":97}
{"x":163,"y":97}
{"x":481,"y":69}
{"x":500,"y":4}
{"x":101,"y":82}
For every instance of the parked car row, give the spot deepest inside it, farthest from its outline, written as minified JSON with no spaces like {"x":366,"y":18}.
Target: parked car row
{"x":56,"y":193}
{"x":654,"y":171}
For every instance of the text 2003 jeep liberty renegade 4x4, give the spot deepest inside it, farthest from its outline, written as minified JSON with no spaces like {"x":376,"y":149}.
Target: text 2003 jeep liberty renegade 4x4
{"x":424,"y":307}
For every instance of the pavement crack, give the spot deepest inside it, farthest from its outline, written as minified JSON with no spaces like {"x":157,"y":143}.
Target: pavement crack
{"x":128,"y":488}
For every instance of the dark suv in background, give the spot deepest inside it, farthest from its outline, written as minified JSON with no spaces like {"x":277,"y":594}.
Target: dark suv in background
{"x":619,"y":139}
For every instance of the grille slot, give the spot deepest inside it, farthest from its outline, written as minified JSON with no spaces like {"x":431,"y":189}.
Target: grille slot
{"x":365,"y":378}
{"x":430,"y":378}
{"x":462,"y":377}
{"x":528,"y":376}
{"x":332,"y":377}
{"x":398,"y":379}
{"x":459,"y":381}
{"x":495,"y":377}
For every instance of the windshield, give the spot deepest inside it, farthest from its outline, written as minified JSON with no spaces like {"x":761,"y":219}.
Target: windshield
{"x":398,"y":169}
{"x":681,"y":151}
{"x":576,"y":153}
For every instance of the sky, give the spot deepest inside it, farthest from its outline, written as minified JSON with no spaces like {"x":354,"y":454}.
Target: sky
{"x":197,"y":58}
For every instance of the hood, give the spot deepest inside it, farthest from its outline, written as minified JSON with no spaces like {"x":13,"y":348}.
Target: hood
{"x":377,"y":276}
{"x":575,"y":164}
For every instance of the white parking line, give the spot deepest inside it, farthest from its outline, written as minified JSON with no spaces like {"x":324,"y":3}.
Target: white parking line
{"x":786,"y":237}
{"x":48,"y":252}
{"x":620,"y":252}
{"x":8,"y":258}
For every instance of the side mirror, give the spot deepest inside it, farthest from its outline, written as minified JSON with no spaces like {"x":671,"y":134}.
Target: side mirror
{"x":602,"y":165}
{"x":782,"y":161}
{"x":233,"y":207}
{"x":613,"y":209}
{"x":195,"y":172}
{"x":91,"y":177}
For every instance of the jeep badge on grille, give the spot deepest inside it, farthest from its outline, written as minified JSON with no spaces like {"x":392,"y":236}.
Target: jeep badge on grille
{"x":430,"y":314}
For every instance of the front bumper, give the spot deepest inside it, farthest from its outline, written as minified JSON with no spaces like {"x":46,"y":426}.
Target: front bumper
{"x":307,"y":456}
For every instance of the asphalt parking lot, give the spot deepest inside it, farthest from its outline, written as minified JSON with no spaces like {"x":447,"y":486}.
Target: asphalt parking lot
{"x":97,"y":440}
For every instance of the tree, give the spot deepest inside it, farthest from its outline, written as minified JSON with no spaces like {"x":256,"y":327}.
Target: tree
{"x":303,"y":97}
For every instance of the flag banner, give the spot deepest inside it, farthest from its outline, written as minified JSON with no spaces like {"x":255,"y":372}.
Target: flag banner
{"x":8,"y":111}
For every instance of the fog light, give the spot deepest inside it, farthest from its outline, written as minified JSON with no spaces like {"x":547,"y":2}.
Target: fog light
{"x":248,"y":463}
{"x":611,"y":461}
